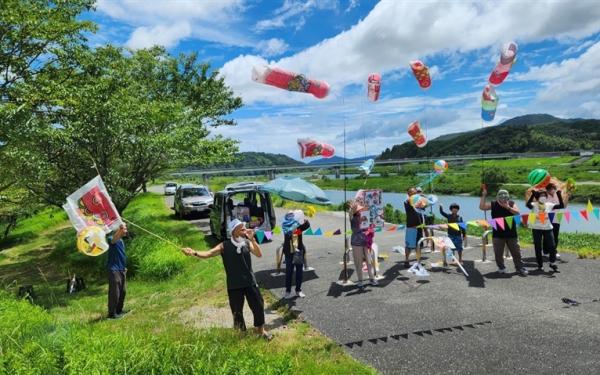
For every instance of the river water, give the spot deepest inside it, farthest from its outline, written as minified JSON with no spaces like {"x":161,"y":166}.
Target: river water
{"x":469,"y":208}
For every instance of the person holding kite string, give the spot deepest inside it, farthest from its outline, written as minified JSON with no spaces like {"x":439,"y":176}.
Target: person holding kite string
{"x":358,"y":240}
{"x":503,"y":207}
{"x":241,"y":282}
{"x":542,"y":231}
{"x":116,"y":266}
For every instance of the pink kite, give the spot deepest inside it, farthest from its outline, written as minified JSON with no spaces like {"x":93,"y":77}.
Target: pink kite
{"x":374,"y":87}
{"x":508,"y":56}
{"x":289,"y":81}
{"x":421,"y":72}
{"x":310,"y":148}
{"x":414,"y":129}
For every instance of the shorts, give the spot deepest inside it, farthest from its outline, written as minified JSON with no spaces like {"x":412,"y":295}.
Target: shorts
{"x":412,"y":237}
{"x":457,"y":241}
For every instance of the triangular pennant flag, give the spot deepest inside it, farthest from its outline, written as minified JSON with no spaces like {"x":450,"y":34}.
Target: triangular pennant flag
{"x":492,"y":222}
{"x":453,"y":226}
{"x":542,"y":217}
{"x":268,"y":235}
{"x":531,"y":219}
{"x":308,"y":232}
{"x":462,"y":225}
{"x":277,"y":230}
{"x":597,"y":213}
{"x":584,"y":214}
{"x":260,"y":236}
{"x":500,"y":222}
{"x":392,"y":228}
{"x":400,"y":227}
{"x":525,"y":219}
{"x":378,"y":229}
{"x":318,"y":232}
{"x":517,"y":219}
{"x":329,"y":233}
{"x":568,"y":216}
{"x":589,"y":207}
{"x":558,"y":217}
{"x":337,"y":232}
{"x":509,"y":222}
{"x":484,"y":223}
{"x":551,"y":216}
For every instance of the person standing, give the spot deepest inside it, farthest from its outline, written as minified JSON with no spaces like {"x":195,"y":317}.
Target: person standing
{"x":414,"y":231}
{"x":553,"y":198}
{"x":116,"y":266}
{"x":456,"y":236}
{"x":294,"y":250}
{"x":358,"y":240}
{"x":543,"y":237}
{"x":502,"y":207}
{"x":241,"y":282}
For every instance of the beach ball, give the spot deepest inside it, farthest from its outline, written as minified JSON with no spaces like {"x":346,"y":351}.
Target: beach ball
{"x":418,"y":201}
{"x":539,"y":178}
{"x":440,"y":166}
{"x":91,"y":241}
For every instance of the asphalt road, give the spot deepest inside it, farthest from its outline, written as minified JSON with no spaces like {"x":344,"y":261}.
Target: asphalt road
{"x":447,"y":323}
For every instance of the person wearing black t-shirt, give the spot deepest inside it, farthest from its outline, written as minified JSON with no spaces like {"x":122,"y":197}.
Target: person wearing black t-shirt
{"x":241,"y":283}
{"x":414,"y":231}
{"x":503,"y":207}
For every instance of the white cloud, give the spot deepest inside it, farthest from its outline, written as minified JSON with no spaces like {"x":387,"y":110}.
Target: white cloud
{"x":166,"y":22}
{"x":395,"y":32}
{"x":351,"y":5}
{"x":572,"y":85}
{"x":293,"y":13}
{"x":272,"y":47}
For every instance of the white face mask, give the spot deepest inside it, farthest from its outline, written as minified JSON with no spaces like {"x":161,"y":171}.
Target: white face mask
{"x":542,"y":200}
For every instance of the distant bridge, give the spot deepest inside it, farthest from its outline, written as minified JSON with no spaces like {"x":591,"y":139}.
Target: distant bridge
{"x":273,"y":169}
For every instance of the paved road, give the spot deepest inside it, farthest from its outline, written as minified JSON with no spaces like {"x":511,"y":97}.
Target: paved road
{"x":447,"y":323}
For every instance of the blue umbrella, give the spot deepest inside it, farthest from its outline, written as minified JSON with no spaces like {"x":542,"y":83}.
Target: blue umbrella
{"x":296,"y":189}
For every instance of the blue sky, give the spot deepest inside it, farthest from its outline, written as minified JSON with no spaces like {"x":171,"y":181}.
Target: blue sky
{"x":342,"y":41}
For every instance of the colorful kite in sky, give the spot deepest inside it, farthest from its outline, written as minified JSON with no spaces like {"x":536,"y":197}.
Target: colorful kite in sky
{"x":310,"y":148}
{"x":421,"y":72}
{"x":373,"y":87}
{"x":289,"y":81}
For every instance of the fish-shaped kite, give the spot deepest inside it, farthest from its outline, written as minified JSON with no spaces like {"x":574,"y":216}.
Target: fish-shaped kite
{"x":508,"y":56}
{"x":421,"y":72}
{"x":310,"y":148}
{"x":289,"y":81}
{"x":489,"y":102}
{"x":367,"y":167}
{"x":373,"y":86}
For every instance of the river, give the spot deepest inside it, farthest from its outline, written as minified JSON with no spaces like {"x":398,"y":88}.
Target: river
{"x":469,"y":208}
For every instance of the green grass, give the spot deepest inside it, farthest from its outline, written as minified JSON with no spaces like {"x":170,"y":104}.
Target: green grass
{"x":67,"y":333}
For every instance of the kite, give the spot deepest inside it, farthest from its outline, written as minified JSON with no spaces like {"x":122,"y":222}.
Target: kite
{"x":414,"y":129}
{"x":367,"y":167}
{"x":421,"y":72}
{"x":440,"y":166}
{"x":489,"y":102}
{"x":508,"y":56}
{"x":373,"y":87}
{"x":310,"y":147}
{"x":418,"y":201}
{"x":289,"y":81}
{"x":540,"y":178}
{"x":92,"y":241}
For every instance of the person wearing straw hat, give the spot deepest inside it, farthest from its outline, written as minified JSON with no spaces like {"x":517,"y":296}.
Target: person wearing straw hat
{"x":116,"y":266}
{"x":241,"y":282}
{"x":358,"y":240}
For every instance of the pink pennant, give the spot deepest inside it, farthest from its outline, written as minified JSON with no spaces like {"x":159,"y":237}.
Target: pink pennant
{"x":269,"y":235}
{"x":500,"y":222}
{"x":567,"y":216}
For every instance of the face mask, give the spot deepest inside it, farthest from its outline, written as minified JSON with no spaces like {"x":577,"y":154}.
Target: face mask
{"x":542,"y":200}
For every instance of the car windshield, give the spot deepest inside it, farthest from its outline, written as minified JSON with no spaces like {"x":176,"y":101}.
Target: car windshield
{"x":194,"y":192}
{"x":170,"y":184}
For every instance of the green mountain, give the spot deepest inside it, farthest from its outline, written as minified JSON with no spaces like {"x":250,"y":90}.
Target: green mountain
{"x":260,"y":159}
{"x":530,"y":133}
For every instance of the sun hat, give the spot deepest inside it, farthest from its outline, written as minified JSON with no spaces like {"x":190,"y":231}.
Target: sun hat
{"x":234,"y":224}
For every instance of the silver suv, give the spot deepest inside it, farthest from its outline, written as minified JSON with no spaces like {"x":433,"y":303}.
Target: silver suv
{"x":190,"y":199}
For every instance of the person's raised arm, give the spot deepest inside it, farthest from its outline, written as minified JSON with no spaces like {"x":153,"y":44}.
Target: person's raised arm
{"x":217,"y":250}
{"x":561,"y":202}
{"x":254,"y":247}
{"x":483,"y":205}
{"x":443,"y":213}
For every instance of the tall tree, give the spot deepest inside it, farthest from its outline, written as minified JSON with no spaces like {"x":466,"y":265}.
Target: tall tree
{"x":132,"y":114}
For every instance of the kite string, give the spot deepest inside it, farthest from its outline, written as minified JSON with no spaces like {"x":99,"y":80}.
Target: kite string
{"x":131,"y":222}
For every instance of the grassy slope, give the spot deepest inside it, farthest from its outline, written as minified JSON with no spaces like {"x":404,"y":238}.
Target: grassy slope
{"x":67,"y":333}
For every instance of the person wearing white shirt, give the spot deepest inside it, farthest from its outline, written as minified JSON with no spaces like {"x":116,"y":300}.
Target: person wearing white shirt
{"x":543,"y":237}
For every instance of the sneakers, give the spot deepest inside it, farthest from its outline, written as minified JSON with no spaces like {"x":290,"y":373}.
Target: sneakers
{"x":523,"y":272}
{"x":115,"y":317}
{"x":300,"y":294}
{"x":502,"y":270}
{"x":288,"y":295}
{"x":360,"y":284}
{"x":557,"y":256}
{"x":374,"y":282}
{"x":554,"y":267}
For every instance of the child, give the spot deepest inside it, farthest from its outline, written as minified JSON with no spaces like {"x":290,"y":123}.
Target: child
{"x":543,"y":238}
{"x":457,"y":236}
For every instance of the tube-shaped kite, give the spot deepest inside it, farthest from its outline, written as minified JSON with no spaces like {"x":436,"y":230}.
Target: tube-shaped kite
{"x":310,"y":148}
{"x":289,"y":81}
{"x":373,"y":86}
{"x":367,"y":167}
{"x":414,"y":130}
{"x":508,"y":56}
{"x":421,"y":72}
{"x":489,"y":102}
